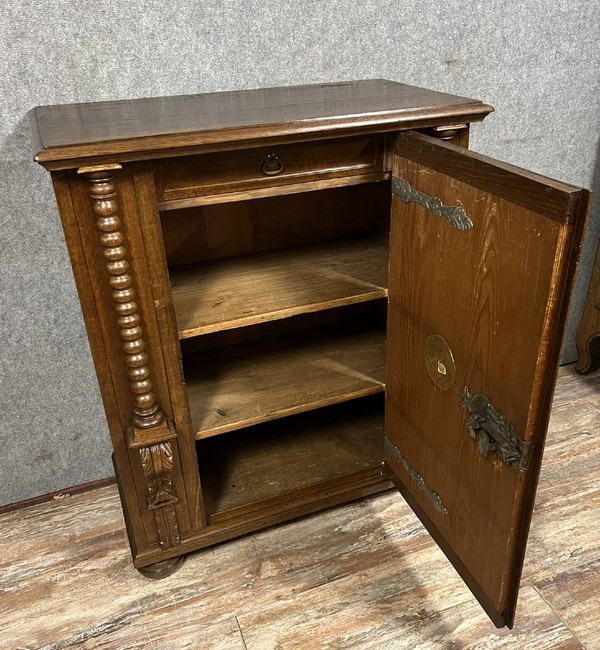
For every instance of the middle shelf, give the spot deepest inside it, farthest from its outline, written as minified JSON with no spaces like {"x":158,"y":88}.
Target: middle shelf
{"x":239,"y":291}
{"x":248,"y":383}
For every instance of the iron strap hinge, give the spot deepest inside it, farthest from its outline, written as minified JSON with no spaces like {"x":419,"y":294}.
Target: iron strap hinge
{"x":434,"y":497}
{"x":492,"y":432}
{"x":454,"y":214}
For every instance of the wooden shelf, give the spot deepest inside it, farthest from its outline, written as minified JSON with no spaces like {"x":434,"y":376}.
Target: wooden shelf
{"x":246,"y":384}
{"x":239,"y":291}
{"x":246,"y":468}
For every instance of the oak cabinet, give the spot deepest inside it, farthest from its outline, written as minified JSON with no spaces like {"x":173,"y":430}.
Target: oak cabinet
{"x":588,"y":332}
{"x":300,"y":296}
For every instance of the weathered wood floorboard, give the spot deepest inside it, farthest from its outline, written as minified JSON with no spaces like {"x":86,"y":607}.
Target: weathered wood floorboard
{"x":365,"y":575}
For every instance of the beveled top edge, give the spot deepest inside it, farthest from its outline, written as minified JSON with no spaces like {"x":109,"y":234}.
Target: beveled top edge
{"x":79,"y":131}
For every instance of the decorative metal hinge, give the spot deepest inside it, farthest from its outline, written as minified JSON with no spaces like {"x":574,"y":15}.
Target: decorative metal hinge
{"x":434,"y":497}
{"x":492,"y":432}
{"x":454,"y":213}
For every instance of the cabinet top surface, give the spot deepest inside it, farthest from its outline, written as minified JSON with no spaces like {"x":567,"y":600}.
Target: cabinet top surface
{"x":80,"y":132}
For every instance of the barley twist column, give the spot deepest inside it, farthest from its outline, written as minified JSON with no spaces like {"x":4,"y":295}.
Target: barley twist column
{"x":150,"y":431}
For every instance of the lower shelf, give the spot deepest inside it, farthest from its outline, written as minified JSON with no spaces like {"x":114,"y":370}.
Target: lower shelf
{"x":277,"y":461}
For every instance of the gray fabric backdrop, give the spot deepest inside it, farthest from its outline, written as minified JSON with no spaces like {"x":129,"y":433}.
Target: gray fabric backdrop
{"x":537,"y":62}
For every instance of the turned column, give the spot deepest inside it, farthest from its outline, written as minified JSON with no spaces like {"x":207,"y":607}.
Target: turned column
{"x":149,"y":431}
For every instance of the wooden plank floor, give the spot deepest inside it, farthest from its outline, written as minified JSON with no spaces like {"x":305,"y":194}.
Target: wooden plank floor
{"x":365,"y":575}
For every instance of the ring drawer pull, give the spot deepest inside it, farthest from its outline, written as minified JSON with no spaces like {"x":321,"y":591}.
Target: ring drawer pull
{"x":272,"y":165}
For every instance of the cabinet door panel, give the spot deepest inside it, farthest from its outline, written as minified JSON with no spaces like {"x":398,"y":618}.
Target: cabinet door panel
{"x":482,"y":258}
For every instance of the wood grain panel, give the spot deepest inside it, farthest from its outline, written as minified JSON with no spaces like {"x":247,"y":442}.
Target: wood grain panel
{"x":239,"y":228}
{"x":249,"y":383}
{"x":252,"y":289}
{"x":370,"y":314}
{"x":496,"y":293}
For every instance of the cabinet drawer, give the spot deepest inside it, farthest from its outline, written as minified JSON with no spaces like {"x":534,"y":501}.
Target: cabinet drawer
{"x":244,"y":169}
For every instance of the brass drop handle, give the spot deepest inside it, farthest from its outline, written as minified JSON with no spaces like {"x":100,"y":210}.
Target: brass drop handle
{"x":272,"y":165}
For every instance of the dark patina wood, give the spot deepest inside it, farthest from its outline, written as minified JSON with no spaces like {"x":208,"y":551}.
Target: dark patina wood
{"x":588,"y":332}
{"x":139,"y":128}
{"x":230,"y":252}
{"x":226,"y":172}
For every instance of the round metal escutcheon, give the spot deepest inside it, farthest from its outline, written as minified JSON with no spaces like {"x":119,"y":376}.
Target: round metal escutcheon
{"x":440,"y":361}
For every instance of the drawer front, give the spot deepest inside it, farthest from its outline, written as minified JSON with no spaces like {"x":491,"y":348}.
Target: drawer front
{"x":232,"y":171}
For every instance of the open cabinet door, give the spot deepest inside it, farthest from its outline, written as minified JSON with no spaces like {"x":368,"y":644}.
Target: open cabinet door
{"x":482,"y":260}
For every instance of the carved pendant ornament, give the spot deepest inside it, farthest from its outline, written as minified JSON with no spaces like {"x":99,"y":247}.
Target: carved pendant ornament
{"x":454,"y":214}
{"x":157,"y":462}
{"x":150,"y":431}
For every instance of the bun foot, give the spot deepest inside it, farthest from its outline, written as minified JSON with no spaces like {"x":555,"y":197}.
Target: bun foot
{"x":163,"y":568}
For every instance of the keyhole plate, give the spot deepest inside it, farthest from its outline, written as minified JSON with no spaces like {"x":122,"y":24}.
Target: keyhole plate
{"x":440,"y":361}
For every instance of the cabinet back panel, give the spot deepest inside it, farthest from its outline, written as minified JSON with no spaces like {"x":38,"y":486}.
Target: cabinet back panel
{"x":226,"y":230}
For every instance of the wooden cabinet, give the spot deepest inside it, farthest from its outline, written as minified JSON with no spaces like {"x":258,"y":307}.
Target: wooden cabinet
{"x":588,"y":332}
{"x":266,"y":348}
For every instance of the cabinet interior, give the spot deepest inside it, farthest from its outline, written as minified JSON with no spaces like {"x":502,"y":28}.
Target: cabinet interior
{"x":243,"y":469}
{"x":281,"y":312}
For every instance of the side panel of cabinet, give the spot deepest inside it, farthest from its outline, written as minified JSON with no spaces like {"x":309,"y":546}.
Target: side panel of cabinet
{"x":482,"y":262}
{"x":140,"y":527}
{"x":150,"y":470}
